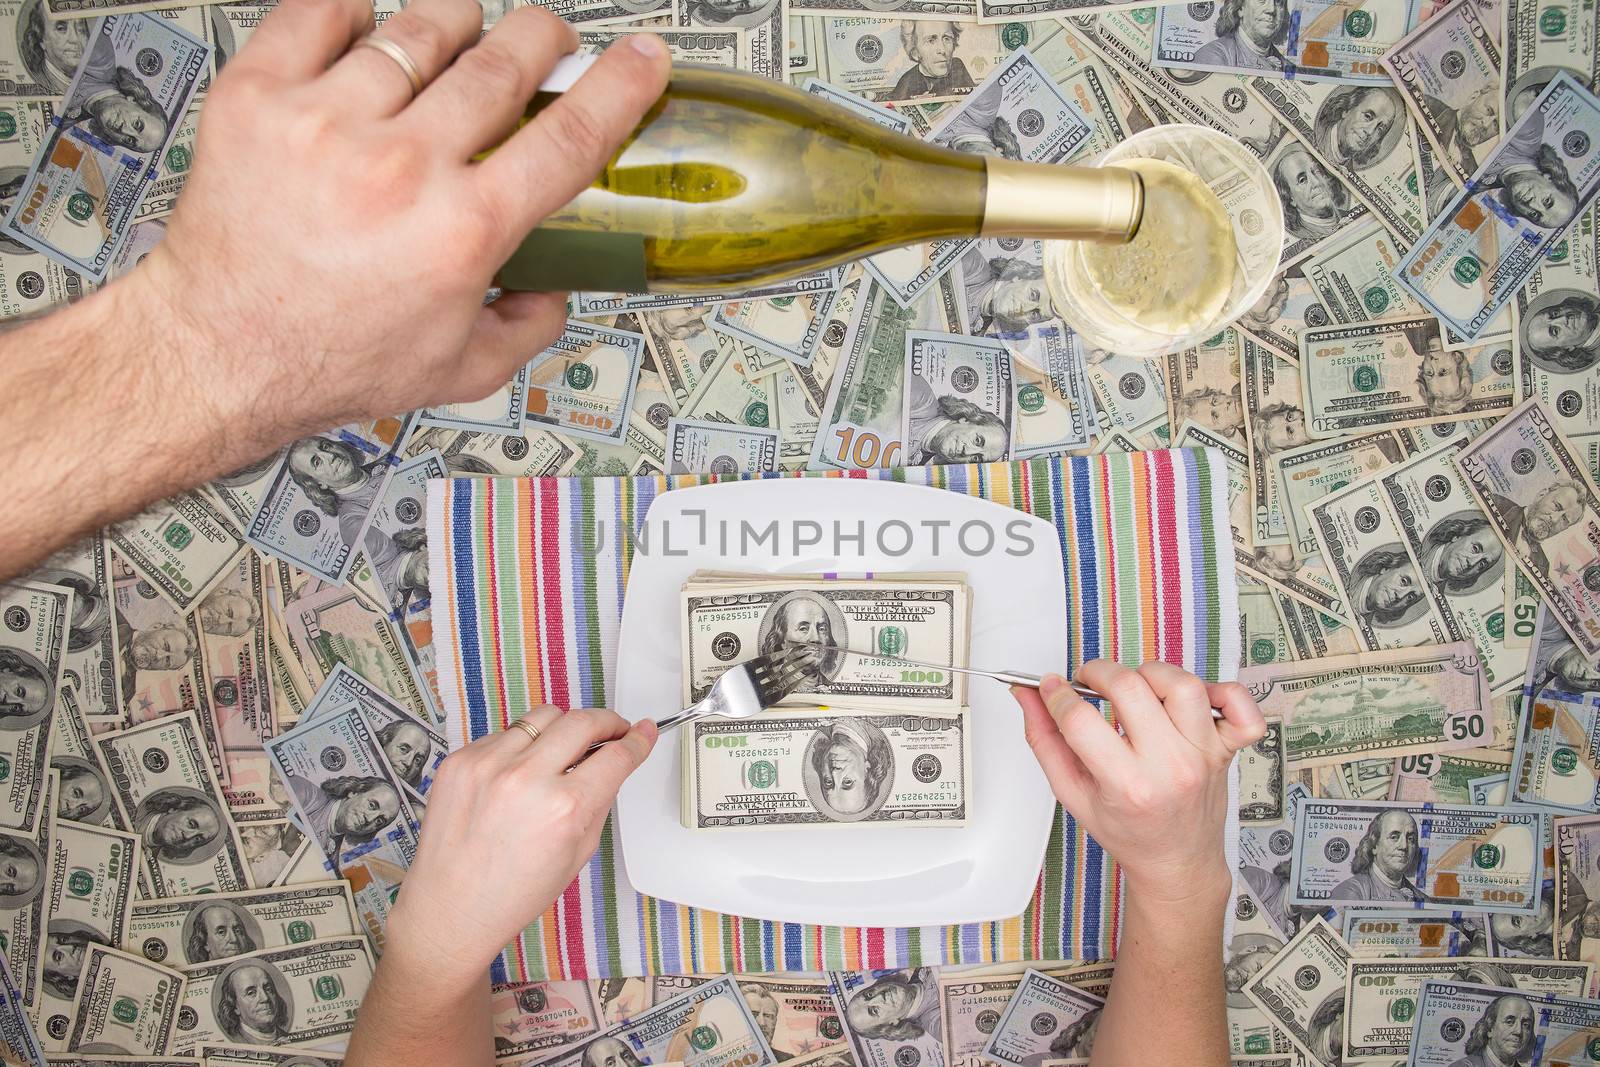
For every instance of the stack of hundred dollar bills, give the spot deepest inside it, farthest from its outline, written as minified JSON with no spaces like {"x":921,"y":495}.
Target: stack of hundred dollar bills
{"x":1408,"y":416}
{"x":866,"y":739}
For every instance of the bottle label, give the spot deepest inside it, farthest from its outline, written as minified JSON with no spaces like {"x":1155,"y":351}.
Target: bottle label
{"x":552,"y":260}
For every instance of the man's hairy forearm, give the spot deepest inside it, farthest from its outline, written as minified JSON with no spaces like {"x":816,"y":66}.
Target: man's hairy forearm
{"x":1166,"y":1003}
{"x":108,"y":406}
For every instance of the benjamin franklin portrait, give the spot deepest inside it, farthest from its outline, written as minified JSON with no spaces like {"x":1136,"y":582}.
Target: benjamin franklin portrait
{"x":252,"y":1003}
{"x":848,"y":772}
{"x":806,"y":617}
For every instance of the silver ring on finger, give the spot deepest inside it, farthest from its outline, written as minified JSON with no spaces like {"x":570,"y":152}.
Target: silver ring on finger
{"x":402,"y":59}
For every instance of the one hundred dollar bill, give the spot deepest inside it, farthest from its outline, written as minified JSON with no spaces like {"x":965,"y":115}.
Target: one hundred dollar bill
{"x":1558,"y":334}
{"x":1355,"y":852}
{"x":395,"y":546}
{"x":182,"y":546}
{"x":183,"y":931}
{"x":346,"y":793}
{"x":1359,"y":132}
{"x":1556,"y":764}
{"x":1381,"y":590}
{"x":414,"y":748}
{"x":24,"y":910}
{"x":90,"y":662}
{"x":1301,"y":989}
{"x":1371,"y":704}
{"x":1542,"y":502}
{"x":1298,"y":39}
{"x":1416,"y":935}
{"x":1377,"y":375}
{"x":1125,"y":38}
{"x":501,"y":411}
{"x":789,"y":328}
{"x":958,"y":399}
{"x":85,"y":795}
{"x":1563,"y":1029}
{"x":1017,"y":113}
{"x":700,"y":447}
{"x":860,"y":425}
{"x":17,"y":1035}
{"x":704,"y":46}
{"x":795,"y":1012}
{"x":1380,"y":1017}
{"x":533,"y":453}
{"x":729,"y":623}
{"x":762,"y":25}
{"x":134,"y":81}
{"x":1449,"y":70}
{"x":102,"y":866}
{"x":841,"y":767}
{"x":1460,"y":560}
{"x":1256,"y":940}
{"x":874,"y":1047}
{"x":1307,"y":473}
{"x":125,"y":1003}
{"x":1542,"y":39}
{"x":33,"y":645}
{"x":303,"y":994}
{"x":732,"y":391}
{"x":707,"y":1026}
{"x":259,"y":1056}
{"x":314,"y":508}
{"x":167,"y":793}
{"x":1516,"y":206}
{"x":1046,"y":1019}
{"x":583,"y":383}
{"x":595,"y":305}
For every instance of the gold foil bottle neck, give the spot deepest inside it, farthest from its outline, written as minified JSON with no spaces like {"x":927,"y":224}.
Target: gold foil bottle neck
{"x":1061,"y":202}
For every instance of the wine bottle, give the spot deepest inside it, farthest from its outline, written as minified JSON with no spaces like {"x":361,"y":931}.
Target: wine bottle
{"x":732,"y":180}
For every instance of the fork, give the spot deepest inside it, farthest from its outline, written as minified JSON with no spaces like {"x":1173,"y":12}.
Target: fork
{"x":1021,"y":678}
{"x":743,"y":689}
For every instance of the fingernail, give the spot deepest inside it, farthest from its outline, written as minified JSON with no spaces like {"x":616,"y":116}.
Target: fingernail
{"x":1050,"y":684}
{"x":648,"y":44}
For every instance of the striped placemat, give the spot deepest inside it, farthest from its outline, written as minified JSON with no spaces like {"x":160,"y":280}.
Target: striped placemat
{"x":527,"y":580}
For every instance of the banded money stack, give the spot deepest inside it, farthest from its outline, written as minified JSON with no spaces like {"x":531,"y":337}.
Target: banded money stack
{"x":866,"y":739}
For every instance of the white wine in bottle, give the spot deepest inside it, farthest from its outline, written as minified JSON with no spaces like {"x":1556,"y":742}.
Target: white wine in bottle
{"x":731,"y":180}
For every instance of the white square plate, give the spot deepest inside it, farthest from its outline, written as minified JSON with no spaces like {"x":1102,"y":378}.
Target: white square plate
{"x":848,"y":876}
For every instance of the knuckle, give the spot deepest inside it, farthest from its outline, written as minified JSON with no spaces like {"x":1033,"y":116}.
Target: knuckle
{"x":494,"y":71}
{"x":1236,"y":693}
{"x":565,"y":808}
{"x":1140,"y":796}
{"x":424,"y":38}
{"x":1073,"y":710}
{"x":309,"y":130}
{"x":572,"y":127}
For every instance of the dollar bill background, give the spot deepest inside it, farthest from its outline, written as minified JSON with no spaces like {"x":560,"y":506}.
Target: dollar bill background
{"x":271,"y":598}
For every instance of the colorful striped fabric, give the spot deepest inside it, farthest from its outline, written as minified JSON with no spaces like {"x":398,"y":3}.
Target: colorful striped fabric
{"x":528,"y":579}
